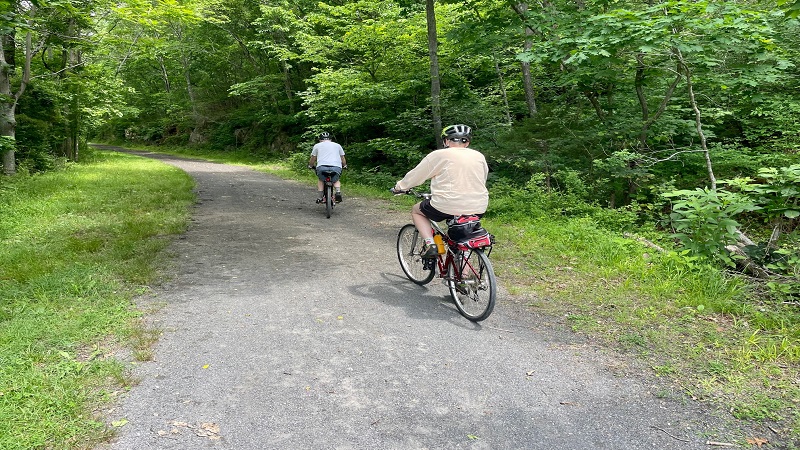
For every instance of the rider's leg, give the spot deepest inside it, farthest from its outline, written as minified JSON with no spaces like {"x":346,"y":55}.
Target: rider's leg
{"x":337,"y":188}
{"x":337,"y":191}
{"x":320,"y":190}
{"x":422,"y":223}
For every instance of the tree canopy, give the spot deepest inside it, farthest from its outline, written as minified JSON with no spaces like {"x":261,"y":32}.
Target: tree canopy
{"x":616,"y":102}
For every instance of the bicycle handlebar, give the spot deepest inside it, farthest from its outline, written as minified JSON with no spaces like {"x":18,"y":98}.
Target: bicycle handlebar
{"x":410,"y":192}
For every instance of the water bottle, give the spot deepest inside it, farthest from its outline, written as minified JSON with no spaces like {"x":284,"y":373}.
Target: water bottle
{"x":439,"y":243}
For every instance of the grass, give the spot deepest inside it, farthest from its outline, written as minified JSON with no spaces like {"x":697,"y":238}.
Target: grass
{"x":77,"y":245}
{"x":701,"y":329}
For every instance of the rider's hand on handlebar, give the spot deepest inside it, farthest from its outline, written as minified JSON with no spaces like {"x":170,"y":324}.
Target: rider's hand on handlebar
{"x":396,"y":191}
{"x":311,"y":167}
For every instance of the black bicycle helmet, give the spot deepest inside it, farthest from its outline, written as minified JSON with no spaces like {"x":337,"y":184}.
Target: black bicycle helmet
{"x":324,"y":136}
{"x":457,"y":132}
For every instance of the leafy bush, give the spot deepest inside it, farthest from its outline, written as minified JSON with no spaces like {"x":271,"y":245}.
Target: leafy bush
{"x":703,"y":220}
{"x":389,"y":156}
{"x":619,"y":176}
{"x":533,"y":200}
{"x":298,"y":162}
{"x":37,"y":141}
{"x":778,"y":191}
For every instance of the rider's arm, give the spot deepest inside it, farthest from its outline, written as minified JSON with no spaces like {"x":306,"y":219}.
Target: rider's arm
{"x":344,"y":161}
{"x":425,"y":170}
{"x":312,"y":161}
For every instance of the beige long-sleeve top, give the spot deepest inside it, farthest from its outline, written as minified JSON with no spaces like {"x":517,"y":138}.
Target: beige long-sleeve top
{"x":458,"y":180}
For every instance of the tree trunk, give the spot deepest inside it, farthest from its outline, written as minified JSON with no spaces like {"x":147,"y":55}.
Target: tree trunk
{"x":503,"y":91}
{"x":73,"y":141}
{"x":7,"y":120}
{"x":164,"y":75}
{"x":639,"y":85}
{"x":527,"y":79}
{"x":598,"y":109}
{"x":7,"y":139}
{"x":436,"y":89}
{"x":647,"y":119}
{"x":287,"y":86}
{"x":72,"y":59}
{"x":9,"y":99}
{"x":697,"y":117}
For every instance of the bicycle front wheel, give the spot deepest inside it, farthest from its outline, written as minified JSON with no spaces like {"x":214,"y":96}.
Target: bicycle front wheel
{"x":409,"y":249}
{"x":472,"y":284}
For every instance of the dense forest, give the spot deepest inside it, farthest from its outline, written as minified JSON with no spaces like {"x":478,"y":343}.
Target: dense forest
{"x":677,"y":116}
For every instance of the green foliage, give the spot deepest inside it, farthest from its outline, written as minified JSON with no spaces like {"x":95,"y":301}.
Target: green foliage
{"x":7,"y":143}
{"x":620,"y":175}
{"x":792,"y":9}
{"x":298,"y":162}
{"x":390,"y":156}
{"x":703,"y":220}
{"x":778,"y":191}
{"x":512,"y":203}
{"x":706,"y":221}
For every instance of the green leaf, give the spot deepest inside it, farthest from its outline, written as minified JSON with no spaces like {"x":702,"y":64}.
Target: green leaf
{"x":791,"y":214}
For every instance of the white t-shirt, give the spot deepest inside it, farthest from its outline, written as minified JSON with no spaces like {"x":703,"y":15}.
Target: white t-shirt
{"x":328,"y":153}
{"x":458,"y":180}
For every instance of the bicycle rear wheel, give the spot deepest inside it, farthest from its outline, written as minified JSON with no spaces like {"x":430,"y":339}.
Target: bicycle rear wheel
{"x":328,"y":200}
{"x":472,"y":284}
{"x":409,"y":249}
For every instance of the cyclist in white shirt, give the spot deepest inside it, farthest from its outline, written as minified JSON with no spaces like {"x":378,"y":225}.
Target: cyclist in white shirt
{"x":328,"y":156}
{"x":458,"y":183}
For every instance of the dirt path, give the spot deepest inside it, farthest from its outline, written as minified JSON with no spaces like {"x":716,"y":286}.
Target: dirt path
{"x":284,"y":329}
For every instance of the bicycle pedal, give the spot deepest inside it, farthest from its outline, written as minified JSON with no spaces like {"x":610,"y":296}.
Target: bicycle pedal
{"x":428,"y":263}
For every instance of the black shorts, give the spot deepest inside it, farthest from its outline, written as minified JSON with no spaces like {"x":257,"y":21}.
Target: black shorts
{"x":432,"y":213}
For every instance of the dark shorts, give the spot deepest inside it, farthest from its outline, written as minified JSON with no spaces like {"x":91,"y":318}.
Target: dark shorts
{"x":434,"y":214}
{"x":337,"y":172}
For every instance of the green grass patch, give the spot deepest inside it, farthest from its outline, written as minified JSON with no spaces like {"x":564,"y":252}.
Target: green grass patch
{"x":77,"y":245}
{"x":702,"y":329}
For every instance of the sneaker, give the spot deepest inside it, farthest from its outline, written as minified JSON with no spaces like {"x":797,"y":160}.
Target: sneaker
{"x":429,"y":251}
{"x":338,"y":197}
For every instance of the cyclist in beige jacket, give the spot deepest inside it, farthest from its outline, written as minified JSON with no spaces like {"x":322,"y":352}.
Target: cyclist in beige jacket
{"x":458,"y":183}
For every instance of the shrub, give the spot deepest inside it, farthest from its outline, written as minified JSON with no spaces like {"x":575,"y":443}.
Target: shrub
{"x":703,"y":220}
{"x":390,"y":156}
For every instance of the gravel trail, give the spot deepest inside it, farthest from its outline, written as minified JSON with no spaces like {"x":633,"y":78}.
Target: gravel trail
{"x":287,"y":330}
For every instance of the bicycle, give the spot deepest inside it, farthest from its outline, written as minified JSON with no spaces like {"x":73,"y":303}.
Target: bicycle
{"x":465,"y":270}
{"x":328,"y":197}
